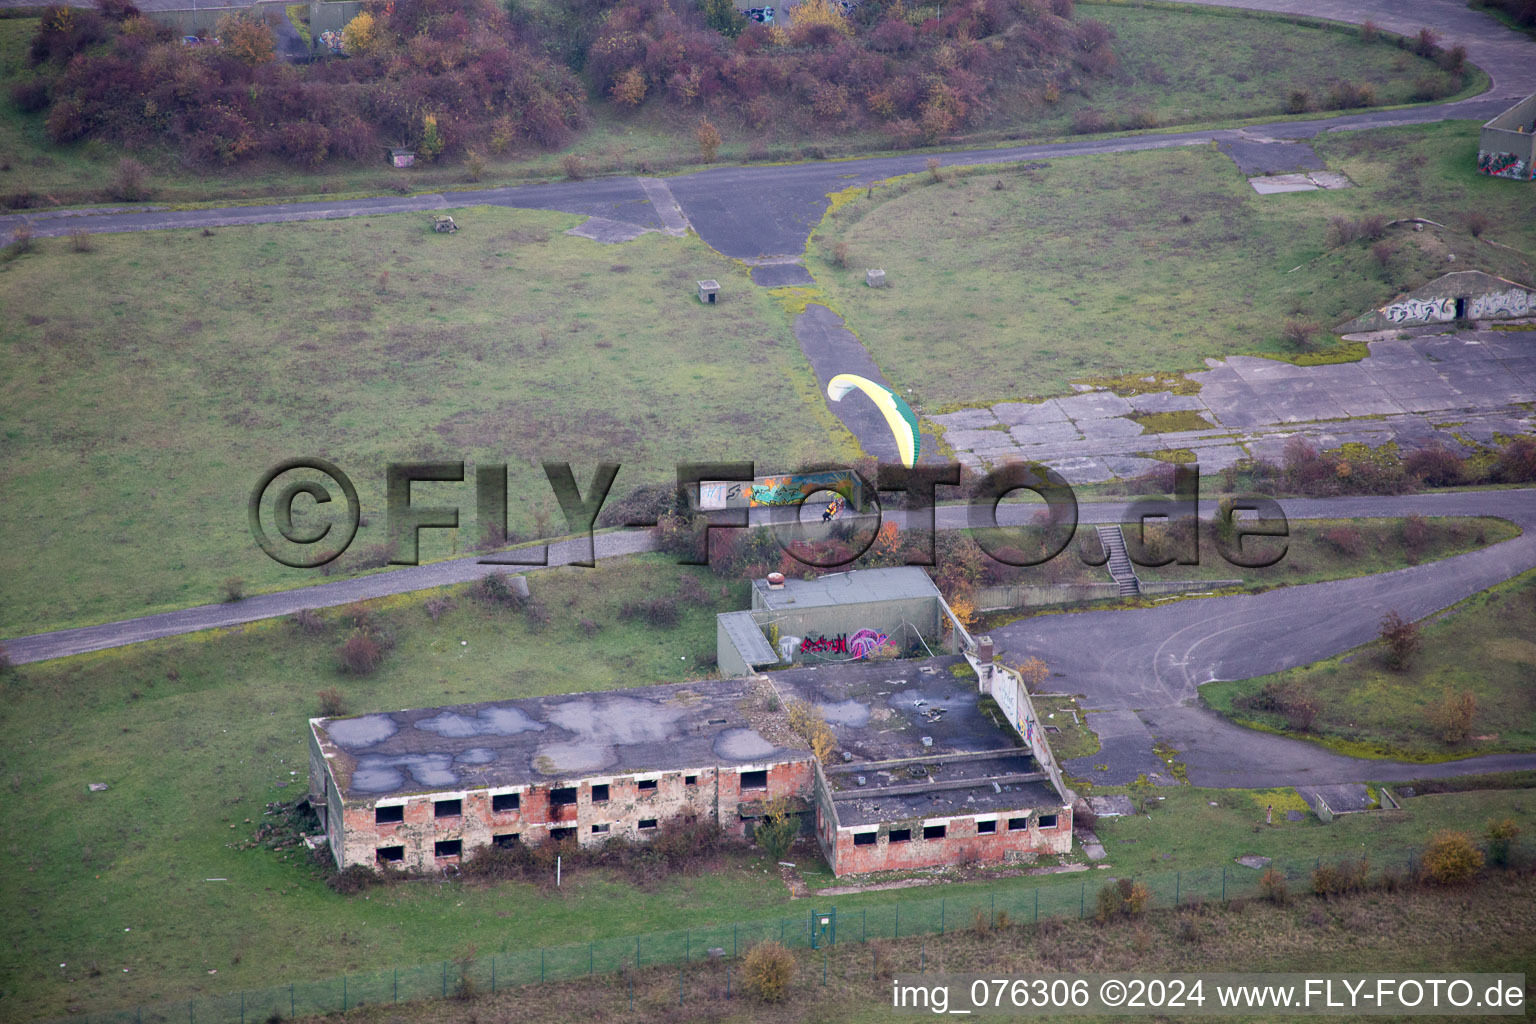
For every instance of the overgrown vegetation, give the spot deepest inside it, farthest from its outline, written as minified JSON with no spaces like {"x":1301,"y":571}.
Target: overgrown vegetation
{"x":1465,"y":692}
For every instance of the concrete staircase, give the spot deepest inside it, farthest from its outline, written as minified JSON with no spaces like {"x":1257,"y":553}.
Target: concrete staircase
{"x":1120,"y":567}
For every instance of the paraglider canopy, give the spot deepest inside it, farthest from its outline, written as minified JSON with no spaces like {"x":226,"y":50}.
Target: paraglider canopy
{"x":898,"y":414}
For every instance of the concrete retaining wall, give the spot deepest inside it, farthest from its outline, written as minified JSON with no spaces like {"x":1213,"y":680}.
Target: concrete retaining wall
{"x":1506,"y":146}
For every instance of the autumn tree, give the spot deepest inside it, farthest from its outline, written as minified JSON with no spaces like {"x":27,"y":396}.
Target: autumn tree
{"x":709,"y":140}
{"x":1034,"y":672}
{"x":247,"y":39}
{"x":629,"y":88}
{"x":1451,"y":716}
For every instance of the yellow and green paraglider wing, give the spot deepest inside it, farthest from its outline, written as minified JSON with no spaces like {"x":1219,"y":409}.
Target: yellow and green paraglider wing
{"x":898,"y":414}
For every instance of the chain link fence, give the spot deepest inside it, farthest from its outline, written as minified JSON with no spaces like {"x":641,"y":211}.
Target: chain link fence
{"x":821,"y":925}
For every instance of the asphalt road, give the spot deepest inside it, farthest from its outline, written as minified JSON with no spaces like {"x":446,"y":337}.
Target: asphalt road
{"x":1140,"y":670}
{"x":763,"y":212}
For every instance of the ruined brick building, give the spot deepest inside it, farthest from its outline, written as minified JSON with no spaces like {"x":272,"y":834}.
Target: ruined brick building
{"x":937,"y":762}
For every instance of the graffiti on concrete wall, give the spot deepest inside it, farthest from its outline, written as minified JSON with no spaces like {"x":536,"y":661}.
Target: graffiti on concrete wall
{"x":792,"y":490}
{"x":1515,"y":302}
{"x":861,"y":644}
{"x":1504,"y":165}
{"x":1418,"y":310}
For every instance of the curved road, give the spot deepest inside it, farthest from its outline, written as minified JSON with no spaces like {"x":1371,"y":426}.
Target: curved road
{"x":786,"y":202}
{"x":1141,"y":669}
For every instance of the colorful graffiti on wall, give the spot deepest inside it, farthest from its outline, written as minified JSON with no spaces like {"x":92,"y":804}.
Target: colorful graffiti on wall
{"x":1505,"y":165}
{"x":794,"y":489}
{"x":331,"y":41}
{"x":861,"y":644}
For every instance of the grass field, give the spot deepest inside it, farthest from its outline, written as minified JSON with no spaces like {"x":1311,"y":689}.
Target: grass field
{"x":196,"y":735}
{"x":1176,"y":67}
{"x":139,"y":416}
{"x":1477,"y":928}
{"x":1482,"y":646}
{"x":1140,"y":262}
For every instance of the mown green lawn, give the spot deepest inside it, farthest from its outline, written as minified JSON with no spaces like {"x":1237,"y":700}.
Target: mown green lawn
{"x":1012,"y":282}
{"x":148,"y":384}
{"x":1482,"y":646}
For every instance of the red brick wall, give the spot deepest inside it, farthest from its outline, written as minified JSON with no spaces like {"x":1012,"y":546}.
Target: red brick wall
{"x":962,"y":844}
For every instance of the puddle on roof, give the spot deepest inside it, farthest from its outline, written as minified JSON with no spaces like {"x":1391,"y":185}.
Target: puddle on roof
{"x":488,"y":722}
{"x":476,"y":755}
{"x":569,"y":758}
{"x":742,"y":745}
{"x":380,"y":774}
{"x":362,"y":732}
{"x":851,"y":713}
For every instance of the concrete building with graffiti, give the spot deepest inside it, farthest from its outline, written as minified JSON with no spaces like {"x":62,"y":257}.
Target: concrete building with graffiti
{"x":938,"y":760}
{"x":835,"y":617}
{"x":1506,"y":146}
{"x":1464,"y":295}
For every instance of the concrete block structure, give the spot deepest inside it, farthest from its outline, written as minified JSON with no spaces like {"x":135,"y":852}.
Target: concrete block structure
{"x":1506,"y":146}
{"x":924,"y":773}
{"x":1464,"y":295}
{"x":833,"y":618}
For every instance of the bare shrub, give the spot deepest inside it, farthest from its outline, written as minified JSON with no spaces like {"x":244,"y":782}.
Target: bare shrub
{"x":767,"y":971}
{"x":1476,"y":222}
{"x":1301,"y":334}
{"x":1341,"y":879}
{"x":1451,"y":716}
{"x":1369,"y":31}
{"x":574,"y":166}
{"x":1273,"y":885}
{"x":840,"y":255}
{"x":332,"y":702}
{"x":1453,"y":60}
{"x":233,"y":588}
{"x":1383,"y":252}
{"x":1501,"y":836}
{"x":474,"y":165}
{"x":436,"y":607}
{"x":130,"y":184}
{"x":1427,"y":42}
{"x":934,"y":172}
{"x":1400,"y":640}
{"x":1341,"y":231}
{"x":1451,"y":858}
{"x":1436,"y":466}
{"x":1298,"y":101}
{"x":1123,"y":897}
{"x":360,"y":654}
{"x":709,"y":140}
{"x":495,"y":590}
{"x":21,"y":240}
{"x":80,"y":240}
{"x":308,"y":621}
{"x":1371,"y":226}
{"x":1139,"y":118}
{"x":1344,"y":540}
{"x":1088,"y":121}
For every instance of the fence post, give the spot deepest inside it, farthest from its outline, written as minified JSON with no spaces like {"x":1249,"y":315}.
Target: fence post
{"x":687,"y":947}
{"x":727,"y":981}
{"x":1037,"y":904}
{"x":864,"y":925}
{"x":922,"y":964}
{"x":1178,"y":876}
{"x":874,"y":963}
{"x":679,"y":986}
{"x":898,"y":920}
{"x":1082,"y":901}
{"x":397,"y":984}
{"x":344,"y":989}
{"x":242,"y":1008}
{"x":1223,"y":883}
{"x":637,"y":952}
{"x":493,"y":975}
{"x":191,"y":1019}
{"x":631,"y":992}
{"x":591,"y":958}
{"x":541,"y":965}
{"x":733,"y":956}
{"x":291,"y":1011}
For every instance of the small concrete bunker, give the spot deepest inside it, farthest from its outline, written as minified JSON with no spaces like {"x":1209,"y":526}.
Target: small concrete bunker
{"x":707,"y":292}
{"x":1463,"y":295}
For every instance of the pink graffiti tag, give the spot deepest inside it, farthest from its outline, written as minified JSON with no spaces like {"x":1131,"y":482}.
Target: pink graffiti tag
{"x":866,"y":642}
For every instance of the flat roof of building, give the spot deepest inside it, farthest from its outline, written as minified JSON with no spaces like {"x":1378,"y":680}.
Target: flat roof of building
{"x":860,"y":586}
{"x":546,"y":740}
{"x":882,"y":713}
{"x":747,"y":635}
